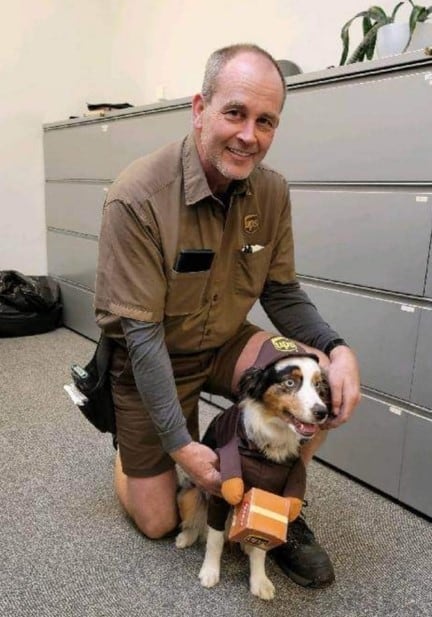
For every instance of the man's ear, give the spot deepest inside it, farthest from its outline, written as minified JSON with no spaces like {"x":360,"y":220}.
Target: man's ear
{"x":198,"y":106}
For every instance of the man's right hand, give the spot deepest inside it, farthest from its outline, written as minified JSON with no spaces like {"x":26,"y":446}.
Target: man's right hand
{"x":201,"y":465}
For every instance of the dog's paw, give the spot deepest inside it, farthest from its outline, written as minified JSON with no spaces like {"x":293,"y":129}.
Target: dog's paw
{"x":262,"y":587}
{"x":209,"y":576}
{"x":185,"y":538}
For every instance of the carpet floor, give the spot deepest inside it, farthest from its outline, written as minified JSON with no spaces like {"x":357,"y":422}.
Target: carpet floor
{"x":67,"y":549}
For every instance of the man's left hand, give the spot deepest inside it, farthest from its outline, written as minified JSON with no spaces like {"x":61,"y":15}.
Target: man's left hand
{"x":344,"y":380}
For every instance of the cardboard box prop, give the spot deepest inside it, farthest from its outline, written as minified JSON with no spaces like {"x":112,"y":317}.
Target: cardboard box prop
{"x":261,"y":520}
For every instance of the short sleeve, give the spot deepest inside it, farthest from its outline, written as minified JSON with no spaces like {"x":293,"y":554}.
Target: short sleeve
{"x":130,"y":279}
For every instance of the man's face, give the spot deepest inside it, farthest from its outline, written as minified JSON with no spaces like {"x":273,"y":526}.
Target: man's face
{"x":236,"y":128}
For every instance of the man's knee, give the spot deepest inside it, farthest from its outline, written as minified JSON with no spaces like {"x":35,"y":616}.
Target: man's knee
{"x":155,"y":528}
{"x":150,"y":502}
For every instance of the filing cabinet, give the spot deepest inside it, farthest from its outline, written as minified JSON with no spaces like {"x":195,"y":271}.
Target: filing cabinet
{"x":354,"y":144}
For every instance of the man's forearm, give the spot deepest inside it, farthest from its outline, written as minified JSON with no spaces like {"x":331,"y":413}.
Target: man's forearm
{"x":294,"y":315}
{"x":155,"y":381}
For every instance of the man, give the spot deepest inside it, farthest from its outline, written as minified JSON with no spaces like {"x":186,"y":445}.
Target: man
{"x":175,"y":281}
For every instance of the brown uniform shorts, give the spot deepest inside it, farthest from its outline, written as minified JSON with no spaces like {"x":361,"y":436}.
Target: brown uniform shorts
{"x":209,"y":371}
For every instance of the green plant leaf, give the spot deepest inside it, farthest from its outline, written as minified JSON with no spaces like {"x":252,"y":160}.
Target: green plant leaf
{"x":378,"y":14}
{"x":415,"y":17}
{"x":345,"y":35}
{"x":365,"y":47}
{"x":371,"y":48}
{"x":395,"y":10}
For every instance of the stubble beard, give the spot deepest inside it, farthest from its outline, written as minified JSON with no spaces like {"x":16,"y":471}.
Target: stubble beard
{"x":215,"y":158}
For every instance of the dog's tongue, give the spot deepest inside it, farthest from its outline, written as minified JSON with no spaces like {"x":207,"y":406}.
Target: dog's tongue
{"x":304,"y":428}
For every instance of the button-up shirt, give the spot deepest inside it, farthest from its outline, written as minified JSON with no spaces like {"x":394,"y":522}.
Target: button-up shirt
{"x":162,"y":204}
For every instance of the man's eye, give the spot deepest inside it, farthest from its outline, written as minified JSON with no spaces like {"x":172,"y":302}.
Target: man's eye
{"x":266,"y":123}
{"x":233,"y":113}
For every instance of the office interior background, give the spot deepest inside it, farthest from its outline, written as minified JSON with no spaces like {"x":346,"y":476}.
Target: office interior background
{"x":66,"y":546}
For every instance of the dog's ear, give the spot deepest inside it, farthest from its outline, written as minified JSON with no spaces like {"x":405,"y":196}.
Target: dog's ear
{"x":251,"y":383}
{"x":323,"y":388}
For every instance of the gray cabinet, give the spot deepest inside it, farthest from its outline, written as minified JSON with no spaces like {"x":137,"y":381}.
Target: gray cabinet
{"x":373,"y":238}
{"x":370,"y":446}
{"x":422,"y":379}
{"x":354,"y":145}
{"x":368,"y":128}
{"x":382,"y":331}
{"x":82,"y":157}
{"x":415,"y":482}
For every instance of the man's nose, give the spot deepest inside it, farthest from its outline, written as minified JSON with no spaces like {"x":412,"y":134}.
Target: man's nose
{"x":247,"y":132}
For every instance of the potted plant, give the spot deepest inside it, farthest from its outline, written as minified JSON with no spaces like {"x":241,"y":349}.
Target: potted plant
{"x":381,"y":31}
{"x":373,"y":19}
{"x":420,"y":28}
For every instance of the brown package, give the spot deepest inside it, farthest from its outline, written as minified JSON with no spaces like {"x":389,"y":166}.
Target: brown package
{"x":261,"y":520}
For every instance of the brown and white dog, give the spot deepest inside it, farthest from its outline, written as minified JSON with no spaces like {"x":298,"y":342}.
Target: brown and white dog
{"x":281,"y":406}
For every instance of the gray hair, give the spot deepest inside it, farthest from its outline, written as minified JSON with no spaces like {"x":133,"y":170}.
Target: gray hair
{"x":221,"y":57}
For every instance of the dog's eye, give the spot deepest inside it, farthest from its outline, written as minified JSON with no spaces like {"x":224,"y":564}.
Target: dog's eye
{"x":290,"y":383}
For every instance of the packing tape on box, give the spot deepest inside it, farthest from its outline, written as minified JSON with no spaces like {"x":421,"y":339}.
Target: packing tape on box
{"x":281,"y":518}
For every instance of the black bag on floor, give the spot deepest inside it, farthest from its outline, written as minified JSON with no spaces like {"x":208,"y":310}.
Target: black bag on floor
{"x":93,"y":381}
{"x":28,"y":304}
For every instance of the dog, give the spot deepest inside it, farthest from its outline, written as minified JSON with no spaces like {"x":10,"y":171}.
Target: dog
{"x":280,"y":407}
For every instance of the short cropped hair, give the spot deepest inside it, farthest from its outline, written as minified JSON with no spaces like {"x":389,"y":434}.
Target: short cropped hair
{"x":222,"y":56}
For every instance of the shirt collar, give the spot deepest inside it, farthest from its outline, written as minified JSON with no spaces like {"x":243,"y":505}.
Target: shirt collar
{"x":196,"y":187}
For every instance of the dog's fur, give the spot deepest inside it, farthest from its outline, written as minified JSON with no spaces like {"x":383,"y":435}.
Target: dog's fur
{"x":282,"y":407}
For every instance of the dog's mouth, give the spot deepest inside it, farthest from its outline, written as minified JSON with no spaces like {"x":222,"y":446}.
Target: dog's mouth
{"x":305,"y":429}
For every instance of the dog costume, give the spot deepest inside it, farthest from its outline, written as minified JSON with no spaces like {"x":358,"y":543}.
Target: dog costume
{"x":242,"y":464}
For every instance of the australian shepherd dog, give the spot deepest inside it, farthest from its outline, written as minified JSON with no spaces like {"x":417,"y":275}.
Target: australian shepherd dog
{"x":280,"y":407}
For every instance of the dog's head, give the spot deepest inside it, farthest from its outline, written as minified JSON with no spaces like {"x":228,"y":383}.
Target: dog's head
{"x":293,"y":391}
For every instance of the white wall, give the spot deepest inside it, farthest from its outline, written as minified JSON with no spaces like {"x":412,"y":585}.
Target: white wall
{"x":55,"y":55}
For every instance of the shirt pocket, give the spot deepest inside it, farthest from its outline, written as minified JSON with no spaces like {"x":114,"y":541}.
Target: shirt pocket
{"x":251,"y":271}
{"x":186,"y":292}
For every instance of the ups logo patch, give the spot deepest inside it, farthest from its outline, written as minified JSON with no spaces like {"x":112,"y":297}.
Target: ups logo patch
{"x":281,"y":343}
{"x":251,"y":223}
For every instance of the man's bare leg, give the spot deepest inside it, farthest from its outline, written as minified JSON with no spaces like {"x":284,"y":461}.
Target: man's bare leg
{"x":150,"y":502}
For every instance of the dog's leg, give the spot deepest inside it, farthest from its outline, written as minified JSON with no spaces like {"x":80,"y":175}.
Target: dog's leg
{"x":193,"y":512}
{"x":260,"y":584}
{"x":210,"y":570}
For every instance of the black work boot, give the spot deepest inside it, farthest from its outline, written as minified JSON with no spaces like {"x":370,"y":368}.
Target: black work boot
{"x":302,"y":558}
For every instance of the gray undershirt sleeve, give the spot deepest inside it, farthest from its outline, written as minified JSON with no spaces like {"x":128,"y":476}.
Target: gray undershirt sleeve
{"x":154,"y":378}
{"x":295,"y":316}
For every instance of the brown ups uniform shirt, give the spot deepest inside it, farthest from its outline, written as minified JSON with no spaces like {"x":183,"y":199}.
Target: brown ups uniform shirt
{"x":161,"y":204}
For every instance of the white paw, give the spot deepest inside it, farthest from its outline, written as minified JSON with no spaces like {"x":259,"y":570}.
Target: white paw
{"x":185,"y":538}
{"x":209,"y":576}
{"x":263,"y":588}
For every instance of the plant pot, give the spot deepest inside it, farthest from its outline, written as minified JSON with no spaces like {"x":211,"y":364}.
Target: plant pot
{"x":422,"y":36}
{"x":392,"y":39}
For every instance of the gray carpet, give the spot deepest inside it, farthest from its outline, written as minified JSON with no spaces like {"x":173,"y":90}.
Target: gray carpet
{"x":67,"y":549}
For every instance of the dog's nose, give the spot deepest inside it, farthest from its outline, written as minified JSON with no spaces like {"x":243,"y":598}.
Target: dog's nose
{"x":320,"y":412}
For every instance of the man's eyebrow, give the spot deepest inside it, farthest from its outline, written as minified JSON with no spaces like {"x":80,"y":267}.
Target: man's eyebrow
{"x":239,"y":105}
{"x":234,"y":103}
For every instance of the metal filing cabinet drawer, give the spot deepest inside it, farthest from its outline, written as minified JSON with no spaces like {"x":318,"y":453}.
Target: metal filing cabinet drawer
{"x":370,"y":238}
{"x":137,"y":136}
{"x":78,"y":311}
{"x":369,"y":446}
{"x":72,"y":258}
{"x":428,"y":287}
{"x":75,"y":206}
{"x":422,"y":382}
{"x":382,"y":332}
{"x":80,"y":152}
{"x":352,"y":131}
{"x":415,"y":484}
